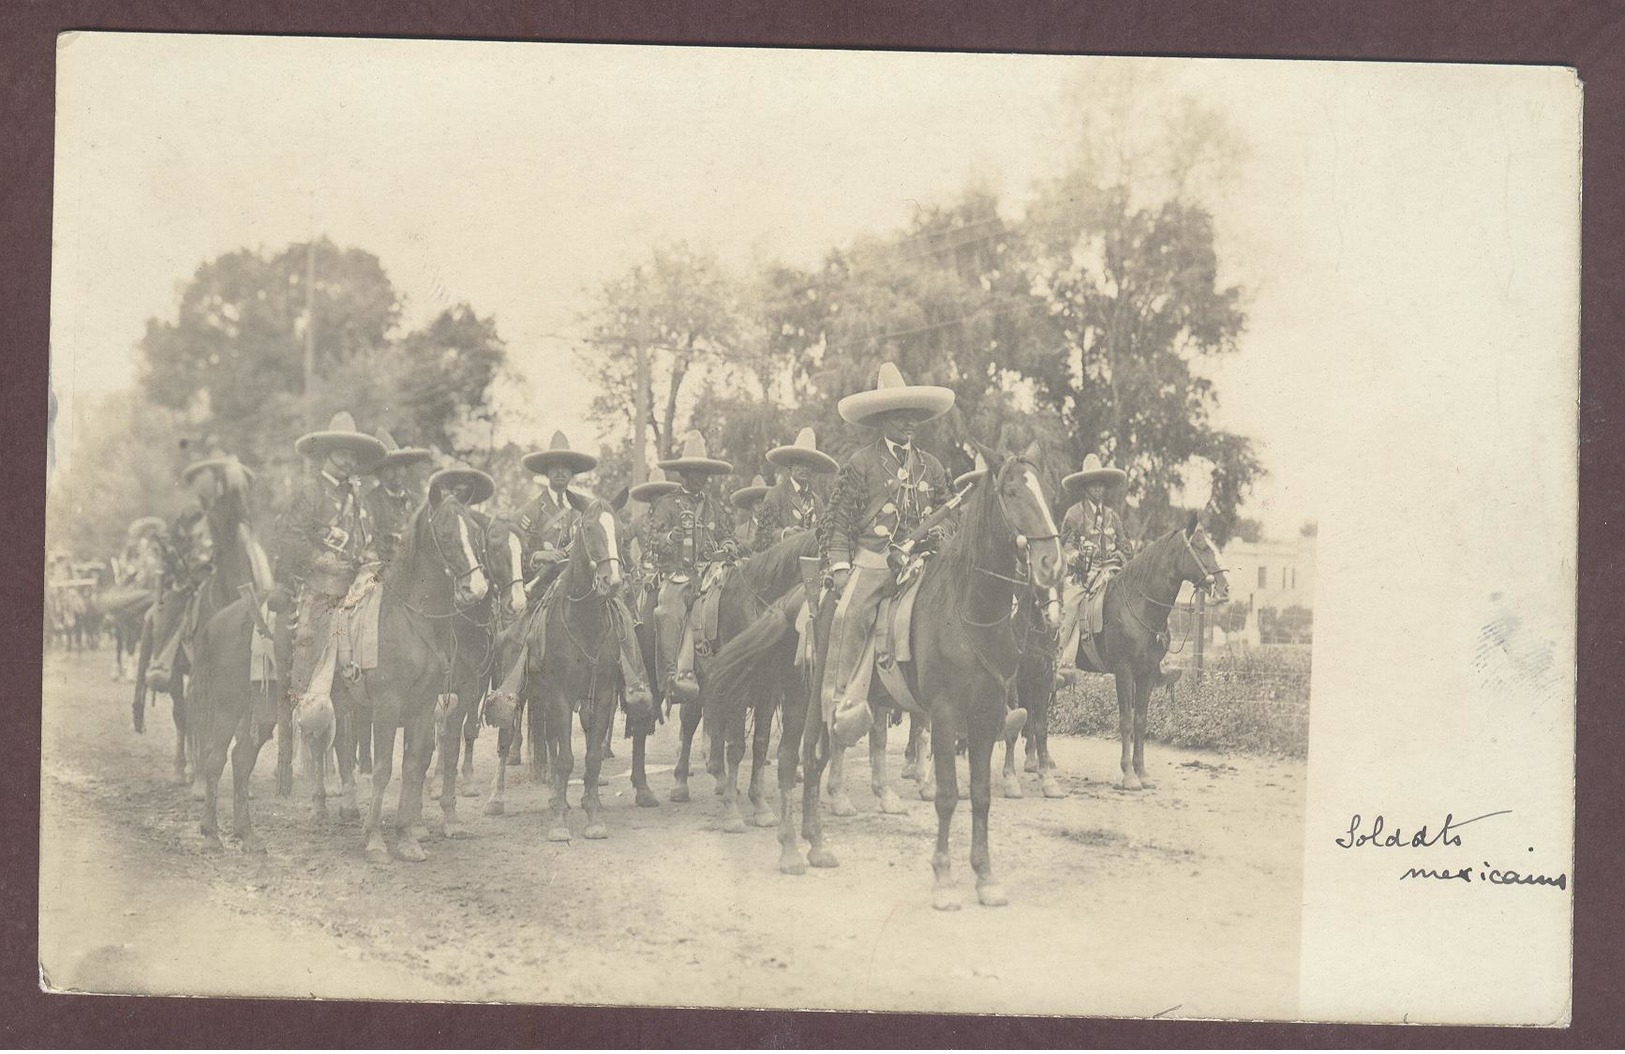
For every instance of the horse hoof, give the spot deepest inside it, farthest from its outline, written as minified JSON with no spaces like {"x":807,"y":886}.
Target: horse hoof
{"x":603,"y":781}
{"x":646,"y":799}
{"x":180,"y":778}
{"x":596,"y":832}
{"x":1012,"y":787}
{"x":733,"y":825}
{"x":559,"y":834}
{"x":1030,"y":765}
{"x":252,"y":844}
{"x":514,"y":759}
{"x":377,"y":854}
{"x":211,"y":843}
{"x":891,"y":805}
{"x":349,"y":814}
{"x":764,"y":818}
{"x":453,"y":830}
{"x":911,"y":771}
{"x":411,"y":852}
{"x":493,"y":808}
{"x":841,"y":805}
{"x":364,"y":767}
{"x":680,"y":793}
{"x":928,"y":792}
{"x":1129,"y":783}
{"x":992,"y":895}
{"x":790,"y":863}
{"x":197,"y":792}
{"x":1052,"y":787}
{"x":467,"y":790}
{"x":821,"y":857}
{"x":945,"y":899}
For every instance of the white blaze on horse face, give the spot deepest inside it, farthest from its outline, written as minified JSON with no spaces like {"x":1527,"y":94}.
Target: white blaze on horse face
{"x":1048,"y":568}
{"x":516,"y":592}
{"x":607,"y":520}
{"x":476,"y":579}
{"x":1031,"y":480}
{"x":259,"y":566}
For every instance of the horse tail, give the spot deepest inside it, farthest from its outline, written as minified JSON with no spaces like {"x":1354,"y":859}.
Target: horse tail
{"x":739,"y":671}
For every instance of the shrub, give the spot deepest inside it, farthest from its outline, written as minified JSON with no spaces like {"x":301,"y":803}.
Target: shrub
{"x":1255,"y":702}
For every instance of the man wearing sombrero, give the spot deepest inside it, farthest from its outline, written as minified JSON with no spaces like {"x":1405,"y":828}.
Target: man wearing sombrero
{"x":687,"y":530}
{"x":322,"y":539}
{"x":746,"y":500}
{"x":548,"y":521}
{"x":792,"y":505}
{"x":1095,"y":548}
{"x":882,"y":492}
{"x":396,"y":496}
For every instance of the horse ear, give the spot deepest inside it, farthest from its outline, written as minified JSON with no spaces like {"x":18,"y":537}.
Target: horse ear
{"x":1032,"y":453}
{"x":618,"y":502}
{"x":993,"y":458}
{"x":577,"y":502}
{"x":1192,"y":523}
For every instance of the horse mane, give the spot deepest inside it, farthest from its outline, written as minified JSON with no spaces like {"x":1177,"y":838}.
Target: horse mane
{"x":1139,"y":567}
{"x":406,"y":550}
{"x":979,"y":519}
{"x":778,"y":560}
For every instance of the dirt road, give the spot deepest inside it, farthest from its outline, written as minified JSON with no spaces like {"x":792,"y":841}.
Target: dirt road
{"x":1181,"y":901}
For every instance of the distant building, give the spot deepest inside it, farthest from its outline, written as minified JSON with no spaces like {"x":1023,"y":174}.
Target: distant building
{"x":1277,"y":575}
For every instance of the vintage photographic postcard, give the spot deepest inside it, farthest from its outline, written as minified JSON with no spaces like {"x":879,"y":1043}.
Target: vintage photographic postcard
{"x":955,"y":533}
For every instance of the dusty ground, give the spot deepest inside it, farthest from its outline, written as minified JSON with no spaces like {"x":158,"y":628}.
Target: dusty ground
{"x":1180,"y":901}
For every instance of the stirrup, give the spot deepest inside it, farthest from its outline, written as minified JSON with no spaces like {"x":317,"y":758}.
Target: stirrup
{"x":351,"y":673}
{"x":685,"y":688}
{"x":852,"y":721}
{"x":1065,"y":676}
{"x":1014,"y":721}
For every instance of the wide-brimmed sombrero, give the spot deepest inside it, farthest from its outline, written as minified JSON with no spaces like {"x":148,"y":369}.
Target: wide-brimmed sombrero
{"x":1093,"y":472}
{"x":396,"y":456}
{"x":341,"y":434}
{"x":890,"y":393}
{"x":804,"y":451}
{"x":217,"y":459}
{"x":751,"y":496}
{"x":446,"y":478}
{"x":657,"y":487}
{"x":145,"y":525}
{"x":558,"y":454}
{"x":695,"y":458}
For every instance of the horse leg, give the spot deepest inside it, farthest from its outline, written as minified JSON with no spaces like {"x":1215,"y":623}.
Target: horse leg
{"x":690,"y":717}
{"x":383,"y":750}
{"x":213,"y":763}
{"x":761,"y":812}
{"x":890,"y":803}
{"x":728,"y":749}
{"x":419,"y":735}
{"x":449,"y":734}
{"x":138,"y":705}
{"x":597,"y":718}
{"x":515,"y":754}
{"x":471,"y":732}
{"x":1012,"y":782}
{"x":944,"y":897}
{"x":924,"y":755}
{"x":839,"y":803}
{"x":177,"y":712}
{"x":555,"y":740}
{"x":1143,"y":686}
{"x":345,"y":741}
{"x":911,"y":752}
{"x":1046,"y":764}
{"x":1125,"y":728}
{"x":790,"y":748}
{"x":988,"y":890}
{"x":363,"y":739}
{"x":244,"y":752}
{"x":640,"y":773}
{"x":494,"y":805}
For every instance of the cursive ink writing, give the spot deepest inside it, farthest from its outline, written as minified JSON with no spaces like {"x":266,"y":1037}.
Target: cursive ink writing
{"x":1489,"y":875}
{"x":1421,"y":838}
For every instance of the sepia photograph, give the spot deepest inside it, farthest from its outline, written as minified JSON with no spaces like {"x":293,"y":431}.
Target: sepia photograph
{"x":810,"y":529}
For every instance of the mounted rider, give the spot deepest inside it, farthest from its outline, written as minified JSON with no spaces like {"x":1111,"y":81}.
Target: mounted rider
{"x":186,"y":560}
{"x":881,"y":495}
{"x":1095,"y":548}
{"x":686,"y":533}
{"x":323,"y":538}
{"x":397,"y":494}
{"x":548,"y":521}
{"x":746,"y":500}
{"x":142,"y":563}
{"x":793,"y":505}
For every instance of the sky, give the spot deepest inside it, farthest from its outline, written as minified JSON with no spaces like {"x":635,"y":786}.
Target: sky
{"x":517,"y":177}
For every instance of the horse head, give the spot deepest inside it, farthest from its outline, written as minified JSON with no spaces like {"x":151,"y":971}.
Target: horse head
{"x":1199,"y":565}
{"x":505,"y":563}
{"x":453,"y":529}
{"x":598,"y":542}
{"x":1027,"y":514}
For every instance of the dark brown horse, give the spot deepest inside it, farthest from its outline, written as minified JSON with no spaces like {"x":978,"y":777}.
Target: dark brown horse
{"x":966,"y":659}
{"x":576,"y":666}
{"x":747,"y":589}
{"x":504,"y":562}
{"x":1134,"y":635}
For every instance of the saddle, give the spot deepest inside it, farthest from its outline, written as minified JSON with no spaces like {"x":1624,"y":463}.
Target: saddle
{"x":707,"y":607}
{"x":360,"y":612}
{"x":893,"y":637}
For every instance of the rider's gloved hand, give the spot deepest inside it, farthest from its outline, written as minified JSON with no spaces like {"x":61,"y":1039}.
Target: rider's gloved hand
{"x":836,"y":579}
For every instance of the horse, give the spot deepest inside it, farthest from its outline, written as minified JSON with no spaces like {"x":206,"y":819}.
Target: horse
{"x":222,"y":541}
{"x":966,"y":660}
{"x":505,"y":568}
{"x":577,"y":665}
{"x":747,"y":589}
{"x":1134,"y":637}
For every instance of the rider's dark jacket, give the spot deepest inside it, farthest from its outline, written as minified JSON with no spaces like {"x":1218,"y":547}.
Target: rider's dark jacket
{"x":882,"y":492}
{"x":686,"y":530}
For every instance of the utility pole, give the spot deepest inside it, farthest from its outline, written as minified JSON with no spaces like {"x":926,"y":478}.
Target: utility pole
{"x":640,"y":348}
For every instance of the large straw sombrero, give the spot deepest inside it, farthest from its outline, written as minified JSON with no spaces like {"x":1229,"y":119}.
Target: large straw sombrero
{"x":751,"y":496}
{"x":145,"y":525}
{"x":890,"y":393}
{"x":1093,"y":472}
{"x":396,"y":456}
{"x":483,"y":485}
{"x":804,"y":451}
{"x":217,"y":459}
{"x":341,"y":434}
{"x":558,"y":453}
{"x":657,"y":487}
{"x":695,"y":458}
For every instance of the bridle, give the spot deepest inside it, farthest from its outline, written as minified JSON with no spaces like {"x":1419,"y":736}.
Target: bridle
{"x":611,"y":556}
{"x":1024,"y":551}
